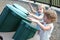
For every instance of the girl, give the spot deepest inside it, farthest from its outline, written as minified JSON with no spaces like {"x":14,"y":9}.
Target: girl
{"x":50,"y":17}
{"x":38,"y":14}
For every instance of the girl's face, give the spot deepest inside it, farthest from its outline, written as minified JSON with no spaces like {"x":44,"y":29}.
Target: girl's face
{"x":40,"y":9}
{"x":46,"y":19}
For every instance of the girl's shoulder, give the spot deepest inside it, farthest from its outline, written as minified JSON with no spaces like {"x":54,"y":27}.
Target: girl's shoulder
{"x":51,"y":24}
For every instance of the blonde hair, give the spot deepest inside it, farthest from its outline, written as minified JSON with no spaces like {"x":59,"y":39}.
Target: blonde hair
{"x":42,"y":5}
{"x":51,"y":14}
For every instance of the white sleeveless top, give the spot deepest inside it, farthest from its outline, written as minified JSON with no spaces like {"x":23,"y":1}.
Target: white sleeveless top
{"x":45,"y":35}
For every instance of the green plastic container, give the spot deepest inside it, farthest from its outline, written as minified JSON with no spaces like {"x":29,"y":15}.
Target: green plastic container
{"x":10,"y":19}
{"x":25,"y":31}
{"x":21,"y":8}
{"x":3,"y":15}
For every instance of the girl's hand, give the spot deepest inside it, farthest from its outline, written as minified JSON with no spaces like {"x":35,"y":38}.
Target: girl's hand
{"x":30,"y":13}
{"x":33,"y":20}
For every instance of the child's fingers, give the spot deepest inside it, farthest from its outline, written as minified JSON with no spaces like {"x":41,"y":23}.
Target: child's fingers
{"x":29,"y":18}
{"x":32,"y":19}
{"x":30,"y":12}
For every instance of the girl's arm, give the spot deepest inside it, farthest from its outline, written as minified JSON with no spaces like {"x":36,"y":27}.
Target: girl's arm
{"x":32,"y":8}
{"x":41,"y":25}
{"x":48,"y":27}
{"x":37,"y":17}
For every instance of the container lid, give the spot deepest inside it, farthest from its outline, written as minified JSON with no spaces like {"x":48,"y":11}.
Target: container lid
{"x":20,"y":8}
{"x":16,"y":12}
{"x":30,"y":26}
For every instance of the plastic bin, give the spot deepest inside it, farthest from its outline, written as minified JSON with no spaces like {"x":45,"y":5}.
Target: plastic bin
{"x":11,"y":17}
{"x":20,"y":8}
{"x":25,"y":31}
{"x":3,"y":15}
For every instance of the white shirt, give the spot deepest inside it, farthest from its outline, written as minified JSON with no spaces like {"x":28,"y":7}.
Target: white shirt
{"x":45,"y":35}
